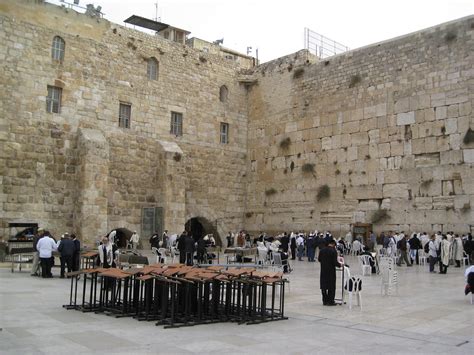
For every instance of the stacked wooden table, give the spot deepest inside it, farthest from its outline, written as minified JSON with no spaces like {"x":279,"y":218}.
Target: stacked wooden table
{"x":177,"y":295}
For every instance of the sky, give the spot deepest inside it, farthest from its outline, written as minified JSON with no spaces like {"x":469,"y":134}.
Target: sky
{"x":276,"y":27}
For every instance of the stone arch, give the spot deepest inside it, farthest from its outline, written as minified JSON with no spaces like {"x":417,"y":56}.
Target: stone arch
{"x":200,"y":226}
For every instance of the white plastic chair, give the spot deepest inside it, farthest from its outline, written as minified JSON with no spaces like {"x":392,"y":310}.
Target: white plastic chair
{"x":156,"y":253}
{"x":422,"y":258}
{"x":277,"y":262}
{"x":162,"y":255}
{"x":174,"y":252}
{"x":353,"y":285}
{"x":262,"y":256}
{"x":364,"y":261}
{"x":465,"y":260}
{"x":389,"y":281}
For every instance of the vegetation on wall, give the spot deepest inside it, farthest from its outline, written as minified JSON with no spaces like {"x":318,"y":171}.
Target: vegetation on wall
{"x":450,"y":36}
{"x":271,"y":191}
{"x":298,"y":73}
{"x":468,"y":137}
{"x":355,"y":79}
{"x":426,"y":183}
{"x":285,"y":143}
{"x":177,"y":157}
{"x":323,"y":193}
{"x":308,"y":168}
{"x":248,"y":214}
{"x":379,"y":216}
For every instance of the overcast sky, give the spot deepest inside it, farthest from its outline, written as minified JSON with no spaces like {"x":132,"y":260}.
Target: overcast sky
{"x":276,"y":27}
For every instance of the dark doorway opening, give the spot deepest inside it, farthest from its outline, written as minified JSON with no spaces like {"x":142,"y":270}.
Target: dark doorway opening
{"x":195,"y":228}
{"x":200,"y":226}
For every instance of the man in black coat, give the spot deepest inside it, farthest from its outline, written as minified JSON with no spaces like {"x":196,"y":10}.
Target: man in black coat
{"x":285,"y":241}
{"x":189,"y":249}
{"x":67,"y":248}
{"x":76,"y":258}
{"x":328,"y":259}
{"x":182,"y":247}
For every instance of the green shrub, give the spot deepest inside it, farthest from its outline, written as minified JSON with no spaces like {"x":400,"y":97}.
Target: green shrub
{"x":323,"y":193}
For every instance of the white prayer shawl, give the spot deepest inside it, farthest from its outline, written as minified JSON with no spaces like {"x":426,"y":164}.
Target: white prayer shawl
{"x":457,"y":249}
{"x":445,"y":251}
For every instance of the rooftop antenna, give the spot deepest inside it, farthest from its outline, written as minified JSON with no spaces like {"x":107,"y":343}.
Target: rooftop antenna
{"x":156,"y":12}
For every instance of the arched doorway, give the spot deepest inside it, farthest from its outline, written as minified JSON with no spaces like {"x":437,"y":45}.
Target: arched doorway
{"x":200,"y":226}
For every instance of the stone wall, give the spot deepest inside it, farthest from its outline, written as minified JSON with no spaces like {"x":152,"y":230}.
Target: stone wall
{"x":106,"y":64}
{"x":381,"y":126}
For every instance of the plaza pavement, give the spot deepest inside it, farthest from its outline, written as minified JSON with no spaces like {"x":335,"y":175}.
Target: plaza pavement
{"x":430,"y":315}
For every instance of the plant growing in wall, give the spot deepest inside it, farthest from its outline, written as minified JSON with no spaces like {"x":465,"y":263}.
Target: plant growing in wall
{"x":466,"y":208}
{"x":323,"y":193}
{"x":355,"y":79}
{"x":248,"y":214}
{"x":308,"y":168}
{"x":468,"y":137}
{"x":426,"y":183}
{"x":271,"y":191}
{"x":177,"y":157}
{"x":450,"y":36}
{"x":285,"y":143}
{"x":380,"y":216}
{"x":298,"y":73}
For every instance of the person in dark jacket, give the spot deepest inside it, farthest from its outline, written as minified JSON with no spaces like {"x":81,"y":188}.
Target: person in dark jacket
{"x":189,"y":249}
{"x":155,"y":241}
{"x":293,"y":246}
{"x":201,"y":248}
{"x":76,"y":258}
{"x":415,"y":245}
{"x":67,"y":248}
{"x":285,"y":241}
{"x":181,"y":247}
{"x":311,"y":247}
{"x":328,"y":259}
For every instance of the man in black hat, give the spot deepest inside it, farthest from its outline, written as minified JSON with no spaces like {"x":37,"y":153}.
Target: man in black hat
{"x":328,"y":259}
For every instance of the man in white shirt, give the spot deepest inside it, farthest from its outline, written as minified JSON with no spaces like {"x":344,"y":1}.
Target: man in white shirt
{"x":433,"y":253}
{"x":46,"y":246}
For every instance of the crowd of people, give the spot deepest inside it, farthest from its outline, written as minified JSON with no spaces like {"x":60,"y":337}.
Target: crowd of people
{"x":44,"y":245}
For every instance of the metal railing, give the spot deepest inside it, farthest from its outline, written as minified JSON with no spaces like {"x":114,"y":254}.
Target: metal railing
{"x":322,"y":46}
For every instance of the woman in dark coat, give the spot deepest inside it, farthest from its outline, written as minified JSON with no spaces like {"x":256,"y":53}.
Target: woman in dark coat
{"x":328,"y":259}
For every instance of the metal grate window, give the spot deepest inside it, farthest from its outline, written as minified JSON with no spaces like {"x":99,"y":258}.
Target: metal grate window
{"x":176,"y":123}
{"x":53,"y":100}
{"x":224,"y":133}
{"x":152,"y":69}
{"x":125,"y":111}
{"x":57,"y":49}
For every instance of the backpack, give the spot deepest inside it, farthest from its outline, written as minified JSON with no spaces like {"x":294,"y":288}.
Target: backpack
{"x":426,"y":248}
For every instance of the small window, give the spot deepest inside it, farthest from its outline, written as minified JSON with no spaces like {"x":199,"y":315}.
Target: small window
{"x":152,"y":69}
{"x":176,"y":123}
{"x":125,"y":112}
{"x":224,"y":133}
{"x":53,"y":100}
{"x":223,"y":93}
{"x":57,"y":50}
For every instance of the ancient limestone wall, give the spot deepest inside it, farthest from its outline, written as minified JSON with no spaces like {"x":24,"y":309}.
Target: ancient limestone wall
{"x":381,"y":126}
{"x":105,"y":64}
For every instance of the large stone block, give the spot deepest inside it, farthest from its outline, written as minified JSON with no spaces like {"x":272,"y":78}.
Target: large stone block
{"x":395,"y":190}
{"x":405,"y":118}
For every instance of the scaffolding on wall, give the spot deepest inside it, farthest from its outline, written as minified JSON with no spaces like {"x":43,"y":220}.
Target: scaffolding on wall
{"x":322,"y":46}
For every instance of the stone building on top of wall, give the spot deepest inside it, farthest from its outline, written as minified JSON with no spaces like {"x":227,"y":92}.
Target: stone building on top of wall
{"x":105,"y":126}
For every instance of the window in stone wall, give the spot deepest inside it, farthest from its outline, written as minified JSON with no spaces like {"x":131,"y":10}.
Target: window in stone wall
{"x":57,"y":49}
{"x":176,"y":123}
{"x":152,"y":69}
{"x":53,"y":100}
{"x":125,"y":113}
{"x":223,"y":93}
{"x":224,"y":133}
